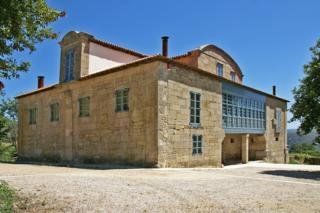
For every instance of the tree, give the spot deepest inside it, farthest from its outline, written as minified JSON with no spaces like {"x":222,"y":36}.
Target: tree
{"x":8,"y":120}
{"x":306,"y":106}
{"x":22,"y":25}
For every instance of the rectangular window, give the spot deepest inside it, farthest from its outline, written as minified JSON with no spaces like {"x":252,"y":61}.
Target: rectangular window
{"x":196,"y":144}
{"x":69,"y":65}
{"x":220,"y":69}
{"x":54,"y":112}
{"x":278,"y":120}
{"x":233,"y":76}
{"x":122,"y":100}
{"x":242,"y":113}
{"x":33,"y":116}
{"x":84,"y":107}
{"x":194,"y":109}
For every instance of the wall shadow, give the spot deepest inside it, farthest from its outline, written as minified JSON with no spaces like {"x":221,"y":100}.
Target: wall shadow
{"x":301,"y":174}
{"x":93,"y":166}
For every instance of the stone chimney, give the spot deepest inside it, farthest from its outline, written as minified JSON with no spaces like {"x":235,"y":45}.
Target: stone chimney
{"x":40,"y":82}
{"x":274,"y":90}
{"x":165,"y":46}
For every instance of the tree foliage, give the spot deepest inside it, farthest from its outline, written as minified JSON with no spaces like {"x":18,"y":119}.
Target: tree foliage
{"x":23,"y":23}
{"x":8,"y":120}
{"x":306,"y":106}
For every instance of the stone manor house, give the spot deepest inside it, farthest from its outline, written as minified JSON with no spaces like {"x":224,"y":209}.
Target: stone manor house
{"x":113,"y":104}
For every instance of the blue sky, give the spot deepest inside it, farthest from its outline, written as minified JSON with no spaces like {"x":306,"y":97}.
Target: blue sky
{"x":270,"y":40}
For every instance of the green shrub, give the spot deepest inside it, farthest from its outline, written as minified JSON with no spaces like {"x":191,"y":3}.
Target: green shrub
{"x":299,"y":158}
{"x":305,"y":148}
{"x":6,"y":198}
{"x":8,"y":152}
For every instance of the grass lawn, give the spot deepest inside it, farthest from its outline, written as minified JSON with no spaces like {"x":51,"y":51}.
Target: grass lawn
{"x":7,"y":152}
{"x":6,"y":198}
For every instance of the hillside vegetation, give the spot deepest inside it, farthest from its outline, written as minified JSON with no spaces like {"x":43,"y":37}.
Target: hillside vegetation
{"x":294,"y":138}
{"x":304,"y":153}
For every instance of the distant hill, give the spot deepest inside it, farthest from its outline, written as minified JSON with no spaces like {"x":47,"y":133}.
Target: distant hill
{"x":294,"y":138}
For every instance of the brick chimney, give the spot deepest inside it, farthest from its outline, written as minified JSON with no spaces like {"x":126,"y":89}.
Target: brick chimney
{"x":165,"y":46}
{"x":40,"y":81}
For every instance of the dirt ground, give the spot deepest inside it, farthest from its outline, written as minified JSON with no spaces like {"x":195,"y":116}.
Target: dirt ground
{"x":255,"y":187}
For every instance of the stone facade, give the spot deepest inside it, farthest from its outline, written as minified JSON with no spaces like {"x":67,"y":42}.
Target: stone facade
{"x":276,"y":146}
{"x":156,"y":130}
{"x":174,"y":129}
{"x":79,"y":42}
{"x":104,"y":136}
{"x":208,"y":61}
{"x":207,"y":57}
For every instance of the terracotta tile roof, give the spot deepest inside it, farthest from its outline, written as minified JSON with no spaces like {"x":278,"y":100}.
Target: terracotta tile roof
{"x":182,"y":55}
{"x":149,"y":60}
{"x":116,"y":47}
{"x":37,"y":91}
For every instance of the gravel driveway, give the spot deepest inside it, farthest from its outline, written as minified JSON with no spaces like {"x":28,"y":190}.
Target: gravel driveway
{"x":255,"y":187}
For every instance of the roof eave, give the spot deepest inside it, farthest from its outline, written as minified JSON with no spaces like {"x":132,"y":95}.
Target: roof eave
{"x":149,"y":60}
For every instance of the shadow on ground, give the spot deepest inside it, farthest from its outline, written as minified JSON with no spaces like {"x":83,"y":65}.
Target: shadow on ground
{"x":301,"y":174}
{"x":94,"y":166}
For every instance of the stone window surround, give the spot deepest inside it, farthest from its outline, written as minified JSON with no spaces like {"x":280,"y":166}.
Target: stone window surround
{"x":54,"y":112}
{"x":33,"y":112}
{"x":220,"y":69}
{"x":122,"y":100}
{"x":84,"y":106}
{"x":278,"y":114}
{"x":195,"y":109}
{"x":233,"y":76}
{"x":197,"y":144}
{"x":69,"y":65}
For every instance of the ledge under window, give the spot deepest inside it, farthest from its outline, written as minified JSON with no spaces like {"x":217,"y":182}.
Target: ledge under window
{"x":195,"y":125}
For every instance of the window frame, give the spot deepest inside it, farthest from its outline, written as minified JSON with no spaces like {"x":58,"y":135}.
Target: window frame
{"x":195,"y":109}
{"x":33,"y":114}
{"x":69,"y":65}
{"x":220,"y":72}
{"x":278,"y":118}
{"x":122,"y":100}
{"x":242,"y":112}
{"x":197,"y":144}
{"x":233,"y":76}
{"x":83,"y":112}
{"x":54,"y":112}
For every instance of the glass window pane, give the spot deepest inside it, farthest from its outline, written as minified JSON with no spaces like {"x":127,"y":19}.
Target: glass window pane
{"x":197,"y":97}
{"x":125,"y":107}
{"x":198,"y":104}
{"x":192,"y":96}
